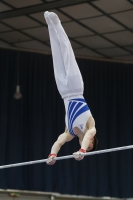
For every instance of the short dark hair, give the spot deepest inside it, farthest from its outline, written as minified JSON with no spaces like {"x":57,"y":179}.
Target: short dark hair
{"x":95,"y":143}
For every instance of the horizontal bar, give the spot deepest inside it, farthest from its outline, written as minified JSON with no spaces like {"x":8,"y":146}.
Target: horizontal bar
{"x":67,"y":157}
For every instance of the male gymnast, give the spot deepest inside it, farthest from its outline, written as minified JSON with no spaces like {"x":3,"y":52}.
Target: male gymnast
{"x":79,"y":120}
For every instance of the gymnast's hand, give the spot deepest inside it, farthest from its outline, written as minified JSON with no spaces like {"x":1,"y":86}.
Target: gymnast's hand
{"x":78,"y":155}
{"x":50,"y":160}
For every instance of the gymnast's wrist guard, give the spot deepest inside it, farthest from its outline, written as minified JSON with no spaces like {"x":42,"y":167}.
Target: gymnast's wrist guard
{"x":52,"y":154}
{"x":82,"y":150}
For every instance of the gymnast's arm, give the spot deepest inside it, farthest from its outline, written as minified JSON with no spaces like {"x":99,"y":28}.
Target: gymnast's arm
{"x":62,"y":139}
{"x":86,"y":144}
{"x":90,"y":133}
{"x":87,"y":138}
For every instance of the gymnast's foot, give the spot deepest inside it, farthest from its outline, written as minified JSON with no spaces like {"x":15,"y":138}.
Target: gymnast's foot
{"x":46,"y":16}
{"x":52,"y":17}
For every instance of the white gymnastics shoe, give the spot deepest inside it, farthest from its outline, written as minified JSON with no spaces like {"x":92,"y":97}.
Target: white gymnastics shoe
{"x":54,"y":17}
{"x":46,"y":16}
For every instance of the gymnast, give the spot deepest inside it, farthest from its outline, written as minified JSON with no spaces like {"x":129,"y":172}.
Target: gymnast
{"x":79,"y":120}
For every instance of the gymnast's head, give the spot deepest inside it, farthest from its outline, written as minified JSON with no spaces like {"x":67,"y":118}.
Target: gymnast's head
{"x":93,"y":144}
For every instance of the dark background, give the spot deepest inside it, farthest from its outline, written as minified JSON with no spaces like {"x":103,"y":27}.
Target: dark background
{"x":28,"y":127}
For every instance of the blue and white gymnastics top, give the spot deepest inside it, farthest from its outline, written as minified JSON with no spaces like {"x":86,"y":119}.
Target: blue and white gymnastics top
{"x":77,"y":113}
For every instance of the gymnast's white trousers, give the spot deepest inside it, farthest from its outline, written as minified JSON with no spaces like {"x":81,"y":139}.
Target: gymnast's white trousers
{"x":67,"y":74}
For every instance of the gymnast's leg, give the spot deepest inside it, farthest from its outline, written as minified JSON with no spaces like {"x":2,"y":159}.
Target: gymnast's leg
{"x":59,"y":69}
{"x":73,"y":83}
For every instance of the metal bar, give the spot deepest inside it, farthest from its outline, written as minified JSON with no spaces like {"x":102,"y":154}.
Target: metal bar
{"x":67,"y":157}
{"x":40,"y":7}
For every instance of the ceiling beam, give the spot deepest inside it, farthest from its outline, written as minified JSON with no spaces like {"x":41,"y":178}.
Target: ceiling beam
{"x":40,"y":7}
